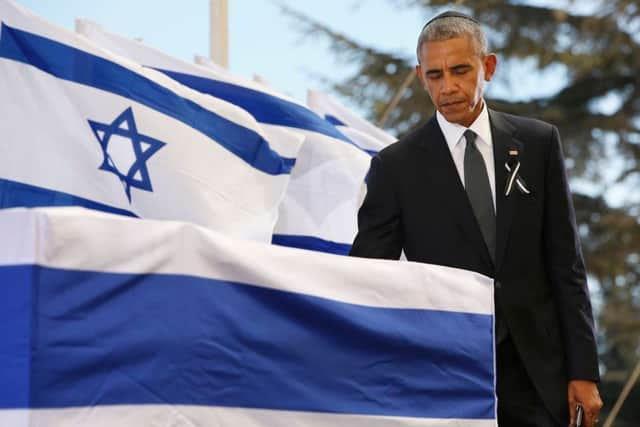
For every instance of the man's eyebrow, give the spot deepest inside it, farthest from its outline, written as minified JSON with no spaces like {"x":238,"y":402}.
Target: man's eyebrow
{"x":459,"y":67}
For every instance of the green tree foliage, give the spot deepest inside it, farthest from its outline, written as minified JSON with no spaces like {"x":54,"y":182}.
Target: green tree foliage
{"x":597,"y":52}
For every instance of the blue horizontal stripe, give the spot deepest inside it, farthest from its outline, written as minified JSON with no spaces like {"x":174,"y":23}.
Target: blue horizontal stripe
{"x":264,"y":107}
{"x":80,"y":67}
{"x":109,"y":339}
{"x":16,"y":194}
{"x":15,"y":329}
{"x":311,"y":243}
{"x":334,"y":120}
{"x":337,"y":122}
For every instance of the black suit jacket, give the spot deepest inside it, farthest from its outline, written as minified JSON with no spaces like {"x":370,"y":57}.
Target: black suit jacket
{"x":416,"y":202}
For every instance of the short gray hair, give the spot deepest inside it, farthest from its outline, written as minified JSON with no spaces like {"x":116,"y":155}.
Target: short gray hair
{"x":451,"y":27}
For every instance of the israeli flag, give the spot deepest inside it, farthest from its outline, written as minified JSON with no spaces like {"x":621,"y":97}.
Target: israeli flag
{"x":368,"y":136}
{"x":327,"y":183}
{"x":111,"y":321}
{"x":81,"y":126}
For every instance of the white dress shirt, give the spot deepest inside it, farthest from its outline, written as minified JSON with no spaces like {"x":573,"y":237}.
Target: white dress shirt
{"x":454,"y":135}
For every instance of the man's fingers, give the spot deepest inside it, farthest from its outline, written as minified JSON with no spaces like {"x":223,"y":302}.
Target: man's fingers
{"x":572,"y":413}
{"x":591,"y":412}
{"x":590,"y":420}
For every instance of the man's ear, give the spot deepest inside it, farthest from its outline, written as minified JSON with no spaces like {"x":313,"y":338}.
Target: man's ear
{"x":419,"y":73}
{"x":490,"y":62}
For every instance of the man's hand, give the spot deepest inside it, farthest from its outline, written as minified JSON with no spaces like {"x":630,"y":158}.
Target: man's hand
{"x":585,"y":394}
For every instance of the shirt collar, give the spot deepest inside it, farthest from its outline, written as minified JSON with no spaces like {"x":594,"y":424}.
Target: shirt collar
{"x":453,"y":132}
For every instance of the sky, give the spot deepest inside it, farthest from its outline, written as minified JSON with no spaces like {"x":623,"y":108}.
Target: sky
{"x":262,"y":40}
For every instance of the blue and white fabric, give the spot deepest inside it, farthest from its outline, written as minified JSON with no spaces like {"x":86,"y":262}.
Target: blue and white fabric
{"x":113,"y":321}
{"x":320,"y":206}
{"x":82,"y":126}
{"x":368,"y":136}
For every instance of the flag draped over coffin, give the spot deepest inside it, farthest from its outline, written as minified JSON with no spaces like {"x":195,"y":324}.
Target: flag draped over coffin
{"x":81,"y":126}
{"x":365,"y":134}
{"x":108,"y":320}
{"x":327,"y":183}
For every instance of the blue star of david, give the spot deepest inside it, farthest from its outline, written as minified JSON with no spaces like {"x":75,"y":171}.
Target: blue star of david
{"x":143,"y":148}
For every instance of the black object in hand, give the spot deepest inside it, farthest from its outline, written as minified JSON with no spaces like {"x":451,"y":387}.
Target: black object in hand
{"x":578,"y":416}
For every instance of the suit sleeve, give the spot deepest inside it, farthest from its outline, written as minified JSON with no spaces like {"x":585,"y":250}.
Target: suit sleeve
{"x":566,"y":269}
{"x":379,"y":220}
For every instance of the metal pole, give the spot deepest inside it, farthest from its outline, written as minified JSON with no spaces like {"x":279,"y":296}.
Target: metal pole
{"x":219,"y":32}
{"x":623,"y":396}
{"x":396,"y":98}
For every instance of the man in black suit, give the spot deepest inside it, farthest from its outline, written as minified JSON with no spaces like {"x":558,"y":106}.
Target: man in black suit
{"x":486,"y":191}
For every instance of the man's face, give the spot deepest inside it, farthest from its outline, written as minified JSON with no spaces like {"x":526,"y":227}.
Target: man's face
{"x":454,"y":75}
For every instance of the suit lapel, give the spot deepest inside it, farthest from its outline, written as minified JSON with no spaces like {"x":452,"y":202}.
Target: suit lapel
{"x":442,"y":172}
{"x":503,"y":134}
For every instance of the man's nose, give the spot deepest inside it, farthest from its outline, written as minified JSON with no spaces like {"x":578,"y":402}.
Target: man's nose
{"x":448,"y":84}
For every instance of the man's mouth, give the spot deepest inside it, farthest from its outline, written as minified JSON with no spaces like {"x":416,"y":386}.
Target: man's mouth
{"x":450,"y":103}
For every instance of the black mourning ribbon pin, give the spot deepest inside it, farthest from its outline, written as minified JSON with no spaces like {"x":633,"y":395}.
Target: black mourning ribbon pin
{"x":514,"y":179}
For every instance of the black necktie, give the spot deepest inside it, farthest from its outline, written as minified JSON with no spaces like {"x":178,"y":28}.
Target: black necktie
{"x":476,"y":182}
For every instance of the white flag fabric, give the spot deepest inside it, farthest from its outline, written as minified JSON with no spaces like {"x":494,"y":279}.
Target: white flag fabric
{"x":113,"y":321}
{"x":81,"y":126}
{"x":362,"y":132}
{"x":327,"y":183}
